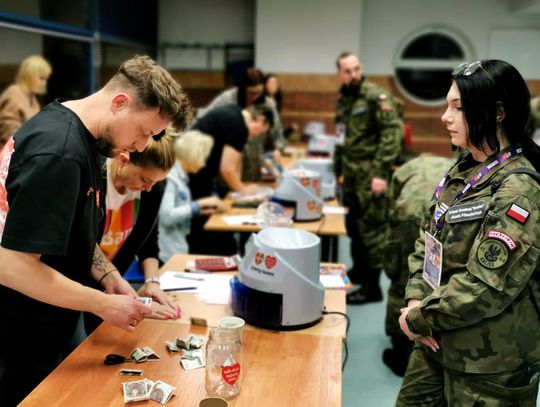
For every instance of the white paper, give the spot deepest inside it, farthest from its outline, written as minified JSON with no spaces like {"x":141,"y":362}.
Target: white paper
{"x":213,"y":286}
{"x":239,"y":219}
{"x":332,"y":281}
{"x":335,"y":210}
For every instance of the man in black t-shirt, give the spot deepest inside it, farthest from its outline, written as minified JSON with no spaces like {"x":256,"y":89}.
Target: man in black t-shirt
{"x":230,"y":127}
{"x":49,"y":217}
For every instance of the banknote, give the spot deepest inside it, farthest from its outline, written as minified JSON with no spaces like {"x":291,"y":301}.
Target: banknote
{"x":130,"y":372}
{"x":161,"y":392}
{"x":144,"y":354}
{"x":192,"y":359}
{"x":145,"y":301}
{"x":171,"y":346}
{"x":192,"y":342}
{"x":190,"y":364}
{"x":137,"y":390}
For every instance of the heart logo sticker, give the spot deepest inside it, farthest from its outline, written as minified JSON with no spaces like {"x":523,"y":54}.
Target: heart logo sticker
{"x":231,"y":373}
{"x":270,"y":261}
{"x":258,"y":258}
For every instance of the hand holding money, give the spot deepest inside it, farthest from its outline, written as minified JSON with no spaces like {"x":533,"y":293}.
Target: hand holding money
{"x":168,"y":308}
{"x":121,"y":311}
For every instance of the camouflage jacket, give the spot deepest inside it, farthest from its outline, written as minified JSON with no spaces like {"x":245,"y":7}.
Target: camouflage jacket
{"x":373,"y":131}
{"x":481,"y":313}
{"x":410,"y":194}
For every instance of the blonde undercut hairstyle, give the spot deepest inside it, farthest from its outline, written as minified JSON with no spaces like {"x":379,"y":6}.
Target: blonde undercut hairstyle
{"x":32,"y":67}
{"x":193,"y":147}
{"x":153,"y":86}
{"x":159,"y":153}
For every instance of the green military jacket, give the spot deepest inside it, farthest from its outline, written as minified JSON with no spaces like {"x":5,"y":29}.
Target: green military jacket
{"x":410,"y":195}
{"x":481,"y":313}
{"x":373,"y":132}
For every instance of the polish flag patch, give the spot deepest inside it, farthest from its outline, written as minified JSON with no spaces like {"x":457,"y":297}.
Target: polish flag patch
{"x":518,"y":213}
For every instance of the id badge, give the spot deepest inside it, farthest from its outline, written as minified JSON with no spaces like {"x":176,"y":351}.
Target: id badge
{"x":341,"y":131}
{"x":432,"y":261}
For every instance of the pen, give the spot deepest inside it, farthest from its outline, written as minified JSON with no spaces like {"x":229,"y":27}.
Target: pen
{"x":189,"y":278}
{"x":180,"y":289}
{"x":195,"y":271}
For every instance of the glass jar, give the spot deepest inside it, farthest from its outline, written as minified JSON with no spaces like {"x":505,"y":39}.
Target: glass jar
{"x":224,"y":362}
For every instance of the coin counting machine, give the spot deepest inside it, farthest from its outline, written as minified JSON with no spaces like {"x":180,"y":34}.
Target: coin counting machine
{"x":277,"y":285}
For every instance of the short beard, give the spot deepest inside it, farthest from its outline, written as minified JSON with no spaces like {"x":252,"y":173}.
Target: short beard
{"x":105,"y":147}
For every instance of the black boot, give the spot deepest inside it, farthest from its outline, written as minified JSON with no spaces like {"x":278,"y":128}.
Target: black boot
{"x":365,"y":294}
{"x":397,"y":357}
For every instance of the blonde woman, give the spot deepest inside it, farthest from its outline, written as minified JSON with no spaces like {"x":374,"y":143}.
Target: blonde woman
{"x":192,"y":150}
{"x":19,"y":102}
{"x":129,"y":227}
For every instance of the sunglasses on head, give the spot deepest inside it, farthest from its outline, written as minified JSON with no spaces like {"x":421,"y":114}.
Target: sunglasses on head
{"x":467,"y":69}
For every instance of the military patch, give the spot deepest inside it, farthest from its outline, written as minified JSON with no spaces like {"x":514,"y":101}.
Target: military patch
{"x":466,"y":212}
{"x":518,"y":213}
{"x":492,"y":254}
{"x":503,"y":237}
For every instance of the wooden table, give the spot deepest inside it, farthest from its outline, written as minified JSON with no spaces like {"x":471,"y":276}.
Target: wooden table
{"x":280,"y":369}
{"x":216,"y":223}
{"x":293,"y":368}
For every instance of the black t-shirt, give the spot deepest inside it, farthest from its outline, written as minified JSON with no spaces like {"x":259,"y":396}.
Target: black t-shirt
{"x":54,"y":210}
{"x":226,"y":126}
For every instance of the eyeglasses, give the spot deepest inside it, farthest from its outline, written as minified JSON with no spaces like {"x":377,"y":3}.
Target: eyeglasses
{"x":467,"y":69}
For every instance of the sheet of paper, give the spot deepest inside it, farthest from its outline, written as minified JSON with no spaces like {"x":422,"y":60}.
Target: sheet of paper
{"x":332,"y":281}
{"x":213,"y":287}
{"x":335,"y":210}
{"x":239,"y":219}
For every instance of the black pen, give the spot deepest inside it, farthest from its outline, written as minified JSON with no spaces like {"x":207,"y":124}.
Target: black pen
{"x":180,"y":289}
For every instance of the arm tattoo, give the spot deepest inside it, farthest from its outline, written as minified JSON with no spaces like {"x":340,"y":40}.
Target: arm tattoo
{"x":99,"y":262}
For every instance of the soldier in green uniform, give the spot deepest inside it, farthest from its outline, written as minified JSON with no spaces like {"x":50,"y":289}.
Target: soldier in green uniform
{"x":473,"y":293}
{"x":372,"y":131}
{"x":410,"y":195}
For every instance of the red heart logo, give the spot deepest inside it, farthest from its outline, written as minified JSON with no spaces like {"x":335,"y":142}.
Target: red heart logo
{"x":258,"y":258}
{"x":231,"y":373}
{"x":270,"y":261}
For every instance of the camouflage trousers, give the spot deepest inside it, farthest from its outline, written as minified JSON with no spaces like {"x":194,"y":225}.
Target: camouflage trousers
{"x":427,"y":383}
{"x":395,"y":302}
{"x":366,"y":225}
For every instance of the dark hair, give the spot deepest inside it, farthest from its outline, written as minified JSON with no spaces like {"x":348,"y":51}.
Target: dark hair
{"x":278,"y":96}
{"x":344,"y":54}
{"x":493,"y":83}
{"x":251,"y":77}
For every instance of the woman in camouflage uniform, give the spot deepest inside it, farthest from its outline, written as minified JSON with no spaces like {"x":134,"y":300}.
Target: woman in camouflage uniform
{"x":472,"y":302}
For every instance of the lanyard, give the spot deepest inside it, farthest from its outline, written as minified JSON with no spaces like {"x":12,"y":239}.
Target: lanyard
{"x":440,"y":210}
